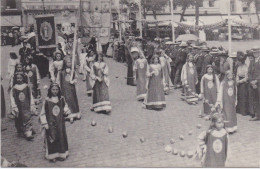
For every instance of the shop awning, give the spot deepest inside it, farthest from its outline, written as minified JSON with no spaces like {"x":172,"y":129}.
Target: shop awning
{"x":12,"y":20}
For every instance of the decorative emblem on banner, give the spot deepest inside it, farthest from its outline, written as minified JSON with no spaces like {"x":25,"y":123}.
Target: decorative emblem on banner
{"x":56,"y":110}
{"x":210,"y":84}
{"x":95,"y":19}
{"x":46,"y":31}
{"x":21,"y":96}
{"x":230,"y":91}
{"x":104,"y":32}
{"x":217,"y":146}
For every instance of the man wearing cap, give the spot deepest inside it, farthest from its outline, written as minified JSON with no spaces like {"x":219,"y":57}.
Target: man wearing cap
{"x":181,"y":59}
{"x":173,"y":64}
{"x":24,"y":51}
{"x":254,"y":82}
{"x":224,"y":65}
{"x":207,"y":59}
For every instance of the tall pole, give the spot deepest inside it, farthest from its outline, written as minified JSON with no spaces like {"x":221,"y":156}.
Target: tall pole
{"x":140,"y":14}
{"x":229,"y":30}
{"x":119,"y":27}
{"x":173,"y":31}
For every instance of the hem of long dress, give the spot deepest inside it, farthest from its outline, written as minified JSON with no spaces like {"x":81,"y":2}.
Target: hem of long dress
{"x":73,"y":115}
{"x":155,"y":103}
{"x":103,"y":103}
{"x":141,"y":96}
{"x":103,"y":108}
{"x":231,"y":129}
{"x":90,"y":91}
{"x":56,"y":155}
{"x":161,"y":106}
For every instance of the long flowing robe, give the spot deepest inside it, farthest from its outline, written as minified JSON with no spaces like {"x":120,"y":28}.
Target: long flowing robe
{"x":216,"y":143}
{"x":110,"y":50}
{"x":210,"y":90}
{"x":140,"y":68}
{"x":155,"y":98}
{"x":242,"y":90}
{"x":254,"y":93}
{"x":101,"y":100}
{"x":34,"y":78}
{"x":22,"y":103}
{"x":68,"y":90}
{"x":166,"y":69}
{"x":11,"y":66}
{"x":52,"y":115}
{"x":189,"y":78}
{"x":227,"y":98}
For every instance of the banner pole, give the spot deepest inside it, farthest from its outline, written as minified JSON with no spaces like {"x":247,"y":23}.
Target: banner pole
{"x":140,"y":13}
{"x":229,"y":30}
{"x":74,"y":51}
{"x":173,"y":31}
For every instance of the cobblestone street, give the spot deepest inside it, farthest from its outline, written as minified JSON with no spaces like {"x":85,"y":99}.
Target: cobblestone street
{"x":95,"y":147}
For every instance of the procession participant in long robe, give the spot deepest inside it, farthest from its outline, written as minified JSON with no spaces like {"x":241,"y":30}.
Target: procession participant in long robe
{"x":155,"y":98}
{"x":32,"y":72}
{"x":87,"y":71}
{"x":22,"y":106}
{"x":227,"y":99}
{"x":173,"y":56}
{"x":209,"y":88}
{"x":140,"y":69}
{"x":82,"y":60}
{"x":13,"y":61}
{"x":213,"y":143}
{"x":254,"y":80}
{"x":18,"y":70}
{"x":181,"y":59}
{"x":56,"y":66}
{"x":110,"y":49}
{"x":242,"y":86}
{"x":53,"y":124}
{"x":130,"y":59}
{"x":189,"y":76}
{"x":68,"y":89}
{"x":166,"y":69}
{"x":99,"y":74}
{"x":199,"y":62}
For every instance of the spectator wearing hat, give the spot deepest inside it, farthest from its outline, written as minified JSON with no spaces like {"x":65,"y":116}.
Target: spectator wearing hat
{"x":254,"y":83}
{"x":242,"y":85}
{"x":224,"y":65}
{"x":181,"y":59}
{"x":173,"y":56}
{"x":11,"y":64}
{"x":130,"y":59}
{"x":207,"y":59}
{"x":234,"y":62}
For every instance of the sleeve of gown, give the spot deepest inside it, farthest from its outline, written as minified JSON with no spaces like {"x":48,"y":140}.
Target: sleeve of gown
{"x":148,"y":74}
{"x":43,"y":119}
{"x":135,"y":66}
{"x":201,"y":138}
{"x":92,"y":74}
{"x":38,"y":75}
{"x":87,"y":68}
{"x":13,"y":104}
{"x":105,"y":71}
{"x":217,"y":82}
{"x":220,"y":95}
{"x":51,"y":69}
{"x":183,"y":74}
{"x":66,"y":108}
{"x":8,"y":67}
{"x":246,"y":75}
{"x":201,"y":85}
{"x":32,"y":103}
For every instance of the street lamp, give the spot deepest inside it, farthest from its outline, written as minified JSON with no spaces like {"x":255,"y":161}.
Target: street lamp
{"x":43,"y":6}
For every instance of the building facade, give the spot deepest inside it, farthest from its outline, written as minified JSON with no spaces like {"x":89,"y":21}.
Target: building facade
{"x":11,"y":13}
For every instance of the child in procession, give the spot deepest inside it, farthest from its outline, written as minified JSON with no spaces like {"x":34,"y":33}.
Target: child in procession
{"x":209,"y":88}
{"x":22,"y":106}
{"x":53,"y":124}
{"x":227,"y":100}
{"x":99,"y":74}
{"x":213,"y":143}
{"x":87,"y":72}
{"x":155,"y":98}
{"x":56,"y":66}
{"x":32,"y":72}
{"x":189,"y":78}
{"x":166,"y":69}
{"x":68,"y":89}
{"x":140,"y":69}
